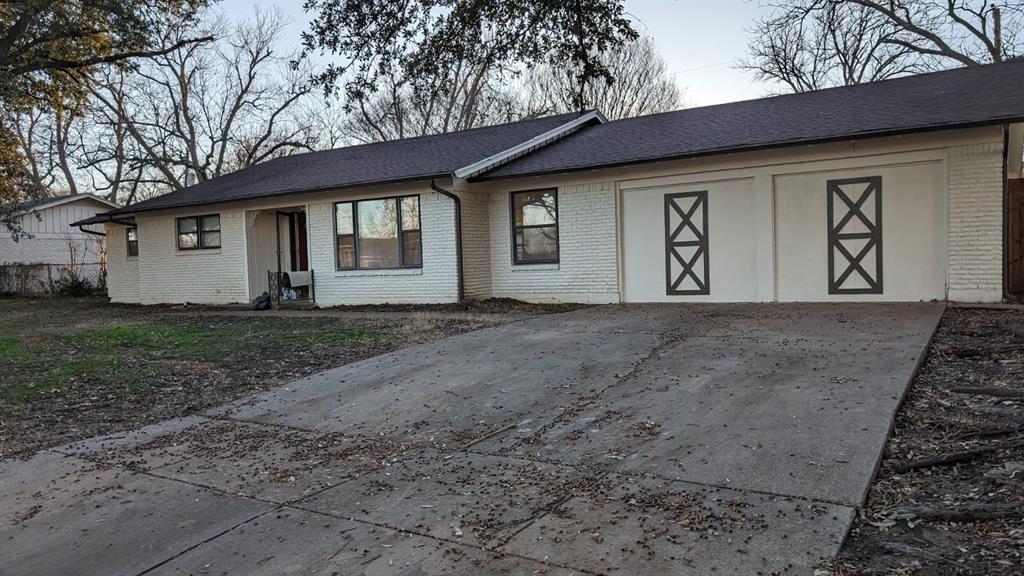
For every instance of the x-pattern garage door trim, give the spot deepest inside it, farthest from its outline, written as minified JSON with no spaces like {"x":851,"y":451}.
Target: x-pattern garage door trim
{"x":872,"y":236}
{"x":673,"y":243}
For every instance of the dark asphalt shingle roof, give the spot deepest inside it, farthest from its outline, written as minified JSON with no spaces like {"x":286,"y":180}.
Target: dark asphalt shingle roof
{"x":978,"y":95}
{"x":393,"y":161}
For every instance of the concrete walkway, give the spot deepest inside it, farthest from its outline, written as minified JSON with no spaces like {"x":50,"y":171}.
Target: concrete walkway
{"x":727,"y":439}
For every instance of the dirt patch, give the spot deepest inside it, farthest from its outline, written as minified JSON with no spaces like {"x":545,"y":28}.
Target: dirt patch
{"x":487,"y":306}
{"x":73,"y":369}
{"x":949,"y":497}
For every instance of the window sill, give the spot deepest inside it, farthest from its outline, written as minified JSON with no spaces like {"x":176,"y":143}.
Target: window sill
{"x":529,"y":267}
{"x":199,"y":251}
{"x":379,"y":272}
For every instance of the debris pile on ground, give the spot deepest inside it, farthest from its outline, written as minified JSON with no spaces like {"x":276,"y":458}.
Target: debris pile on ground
{"x":949,"y":497}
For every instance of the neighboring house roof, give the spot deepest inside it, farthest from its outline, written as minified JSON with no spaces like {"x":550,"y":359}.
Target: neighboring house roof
{"x":393,"y":161}
{"x":964,"y":97}
{"x":49,"y":202}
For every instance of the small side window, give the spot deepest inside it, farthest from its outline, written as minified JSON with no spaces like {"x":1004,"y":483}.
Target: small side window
{"x":199,"y":232}
{"x":133,"y":241}
{"x":188,"y":233}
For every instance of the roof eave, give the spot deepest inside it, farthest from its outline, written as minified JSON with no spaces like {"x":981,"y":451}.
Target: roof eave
{"x":131,"y":210}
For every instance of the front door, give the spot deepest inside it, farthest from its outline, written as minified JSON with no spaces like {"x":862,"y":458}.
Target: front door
{"x":299,"y":246}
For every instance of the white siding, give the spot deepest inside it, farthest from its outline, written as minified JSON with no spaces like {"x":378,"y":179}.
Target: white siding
{"x":588,"y":243}
{"x":261,"y":245}
{"x":976,"y":222}
{"x":55,"y":242}
{"x":435,"y":282}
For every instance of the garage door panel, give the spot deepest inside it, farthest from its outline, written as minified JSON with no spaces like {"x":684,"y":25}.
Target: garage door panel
{"x":690,"y":243}
{"x":884,"y":239}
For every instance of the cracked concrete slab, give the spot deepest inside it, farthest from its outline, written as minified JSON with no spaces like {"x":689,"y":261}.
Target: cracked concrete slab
{"x":63,"y":515}
{"x":452,"y":391}
{"x":300,"y":542}
{"x":647,"y":526}
{"x":260,"y":461}
{"x":804,"y":417}
{"x":470,"y":498}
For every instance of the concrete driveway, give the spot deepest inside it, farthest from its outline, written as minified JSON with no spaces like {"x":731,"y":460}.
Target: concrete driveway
{"x":622,"y":439}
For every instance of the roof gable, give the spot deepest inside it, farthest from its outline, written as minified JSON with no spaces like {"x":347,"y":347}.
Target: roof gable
{"x":54,"y":201}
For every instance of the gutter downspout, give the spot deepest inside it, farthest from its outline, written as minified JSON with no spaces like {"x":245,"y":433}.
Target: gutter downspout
{"x":1006,"y":213}
{"x":458,"y":235}
{"x":93,"y":232}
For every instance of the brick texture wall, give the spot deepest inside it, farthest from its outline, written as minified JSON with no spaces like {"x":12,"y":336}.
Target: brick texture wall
{"x":122,"y":271}
{"x":587,"y":270}
{"x":436,"y":282}
{"x":476,"y":244}
{"x":169,"y":275}
{"x":976,"y":222}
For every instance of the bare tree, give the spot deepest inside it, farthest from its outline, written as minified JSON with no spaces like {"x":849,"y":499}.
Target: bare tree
{"x":472,"y":89}
{"x":199,"y":112}
{"x":812,"y":44}
{"x":642,"y":85}
{"x":968,"y":32}
{"x":807,"y":48}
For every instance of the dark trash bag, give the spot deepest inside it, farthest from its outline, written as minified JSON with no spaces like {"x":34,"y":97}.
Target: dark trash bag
{"x":261,"y":302}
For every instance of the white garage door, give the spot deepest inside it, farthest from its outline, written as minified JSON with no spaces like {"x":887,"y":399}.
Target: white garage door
{"x":690,"y":243}
{"x":868,"y":234}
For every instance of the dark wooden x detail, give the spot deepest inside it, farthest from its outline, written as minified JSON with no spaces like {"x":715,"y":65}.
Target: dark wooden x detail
{"x":687,"y":266}
{"x":873,"y":235}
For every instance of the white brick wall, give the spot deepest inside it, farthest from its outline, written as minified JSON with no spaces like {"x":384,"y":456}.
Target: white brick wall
{"x":476,"y":244}
{"x":587,"y":235}
{"x":976,"y":222}
{"x":122,"y":271}
{"x":436,"y":282}
{"x":169,"y":275}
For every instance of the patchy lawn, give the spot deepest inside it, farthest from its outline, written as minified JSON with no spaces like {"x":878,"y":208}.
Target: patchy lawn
{"x":949,"y":498}
{"x":72,"y":369}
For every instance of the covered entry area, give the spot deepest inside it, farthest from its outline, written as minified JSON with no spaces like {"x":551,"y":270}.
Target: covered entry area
{"x":277,"y":245}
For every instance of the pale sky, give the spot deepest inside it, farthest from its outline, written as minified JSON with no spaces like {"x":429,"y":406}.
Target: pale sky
{"x":700,"y":40}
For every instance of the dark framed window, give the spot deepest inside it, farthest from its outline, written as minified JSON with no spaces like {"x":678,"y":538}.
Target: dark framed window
{"x":199,"y":232}
{"x":132,"y":239}
{"x":378,"y":234}
{"x":535,"y":227}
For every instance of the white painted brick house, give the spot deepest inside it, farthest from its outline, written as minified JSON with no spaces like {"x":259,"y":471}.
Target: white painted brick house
{"x":892,"y":191}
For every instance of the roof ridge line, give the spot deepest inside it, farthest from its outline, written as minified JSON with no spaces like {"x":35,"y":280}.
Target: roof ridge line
{"x":539,"y":141}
